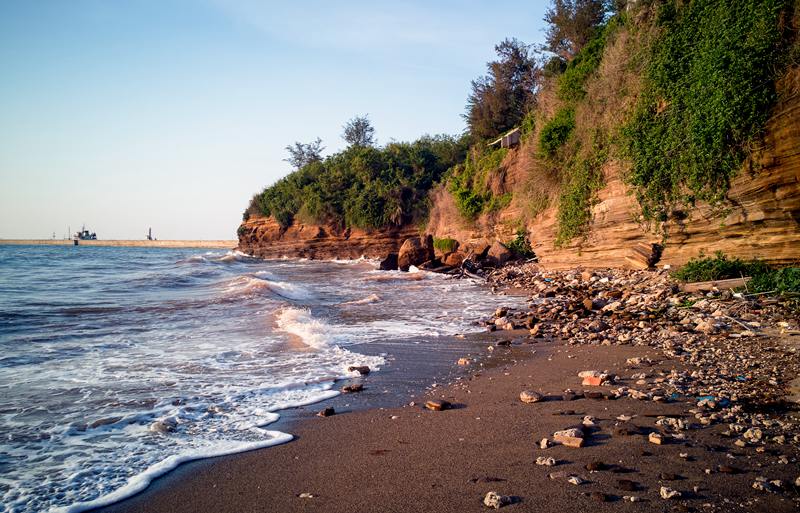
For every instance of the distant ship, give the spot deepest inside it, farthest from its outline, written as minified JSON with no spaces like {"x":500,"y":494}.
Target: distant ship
{"x":84,"y":234}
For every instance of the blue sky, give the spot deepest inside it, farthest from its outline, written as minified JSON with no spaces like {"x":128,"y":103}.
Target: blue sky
{"x":172,"y":113}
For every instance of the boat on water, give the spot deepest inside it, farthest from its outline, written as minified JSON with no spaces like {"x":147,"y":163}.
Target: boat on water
{"x":84,"y":234}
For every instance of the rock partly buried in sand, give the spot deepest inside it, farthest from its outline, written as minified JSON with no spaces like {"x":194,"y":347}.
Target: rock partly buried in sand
{"x":545,"y":461}
{"x":656,"y":438}
{"x":529,"y":396}
{"x":627,"y":485}
{"x":496,"y":501}
{"x":389,"y":263}
{"x":415,"y":251}
{"x":350,"y":389}
{"x":600,"y":496}
{"x":572,"y":437}
{"x":668,"y":493}
{"x":361,"y":369}
{"x":327,"y":412}
{"x":437,"y":405}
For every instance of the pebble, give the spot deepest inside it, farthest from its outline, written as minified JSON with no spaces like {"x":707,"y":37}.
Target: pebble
{"x":496,"y":501}
{"x":546,"y":461}
{"x":351,"y":389}
{"x":529,"y":396}
{"x":572,"y":437}
{"x":655,"y":438}
{"x":668,"y":493}
{"x":437,"y":405}
{"x":327,"y":412}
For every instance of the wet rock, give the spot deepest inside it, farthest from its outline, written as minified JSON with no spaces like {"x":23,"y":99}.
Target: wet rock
{"x":389,"y":263}
{"x":327,"y":412}
{"x":437,"y":405}
{"x":529,"y":396}
{"x":464,"y":361}
{"x":164,"y":426}
{"x":415,"y":251}
{"x":361,"y":369}
{"x":496,"y":501}
{"x":351,"y":389}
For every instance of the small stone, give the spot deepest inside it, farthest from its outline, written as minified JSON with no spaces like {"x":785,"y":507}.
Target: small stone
{"x":351,"y":389}
{"x":668,"y":493}
{"x":437,"y":405}
{"x":496,"y":501}
{"x":558,"y":475}
{"x":592,"y":381}
{"x":305,"y":495}
{"x":544,"y":443}
{"x":595,"y":466}
{"x":361,"y":369}
{"x":668,"y":476}
{"x":600,"y":497}
{"x":547,"y":462}
{"x":464,"y":361}
{"x":529,"y":396}
{"x":627,"y":485}
{"x":576,"y":480}
{"x":655,"y":438}
{"x":327,"y":412}
{"x":727,"y":469}
{"x":570,"y":437}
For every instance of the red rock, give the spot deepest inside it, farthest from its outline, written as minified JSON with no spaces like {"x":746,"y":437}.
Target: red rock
{"x":437,"y":405}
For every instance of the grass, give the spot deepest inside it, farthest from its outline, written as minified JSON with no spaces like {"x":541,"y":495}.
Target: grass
{"x":445,"y":245}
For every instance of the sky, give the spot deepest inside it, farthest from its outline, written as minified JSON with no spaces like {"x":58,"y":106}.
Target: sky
{"x":171,"y":114}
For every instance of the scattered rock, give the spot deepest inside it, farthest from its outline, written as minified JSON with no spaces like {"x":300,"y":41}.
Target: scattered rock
{"x":545,"y":461}
{"x":464,"y":361}
{"x":327,"y":412}
{"x":655,"y":438}
{"x":576,"y":480}
{"x":351,"y":389}
{"x":496,"y":501}
{"x":600,"y":497}
{"x":415,"y":251}
{"x":572,"y":437}
{"x":668,"y":493}
{"x":498,"y":254}
{"x":627,"y":485}
{"x":164,"y":426}
{"x":361,"y":369}
{"x":437,"y":405}
{"x":596,"y":466}
{"x":529,"y":396}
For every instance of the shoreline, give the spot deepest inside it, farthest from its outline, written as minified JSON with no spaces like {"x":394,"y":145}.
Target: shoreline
{"x":211,"y":244}
{"x":404,"y":458}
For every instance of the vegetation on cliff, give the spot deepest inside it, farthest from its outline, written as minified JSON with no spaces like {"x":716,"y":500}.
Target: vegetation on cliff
{"x":675,"y":93}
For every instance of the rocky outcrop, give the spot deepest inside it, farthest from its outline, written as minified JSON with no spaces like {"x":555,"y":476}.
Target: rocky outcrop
{"x":265,"y":238}
{"x":415,"y":251}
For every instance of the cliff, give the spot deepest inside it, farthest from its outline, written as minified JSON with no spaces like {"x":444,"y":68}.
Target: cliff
{"x":263,"y":237}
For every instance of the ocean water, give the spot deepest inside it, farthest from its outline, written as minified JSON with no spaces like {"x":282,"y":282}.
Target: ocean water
{"x":118,"y":364}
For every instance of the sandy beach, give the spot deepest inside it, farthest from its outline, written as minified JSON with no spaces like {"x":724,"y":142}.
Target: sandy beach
{"x":383,"y":451}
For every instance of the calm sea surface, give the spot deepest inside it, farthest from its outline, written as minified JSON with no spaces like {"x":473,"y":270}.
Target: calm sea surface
{"x":117,"y":364}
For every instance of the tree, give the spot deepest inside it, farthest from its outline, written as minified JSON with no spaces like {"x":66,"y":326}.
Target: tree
{"x":301,"y":155}
{"x":500,"y":99}
{"x":572,"y":23}
{"x":359,"y":132}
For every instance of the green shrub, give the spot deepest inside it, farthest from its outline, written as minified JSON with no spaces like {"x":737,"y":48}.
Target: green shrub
{"x":469,"y":204}
{"x":521,"y":246}
{"x":445,"y":245}
{"x":528,"y":124}
{"x":556,"y":131}
{"x":468,"y":182}
{"x":718,"y":267}
{"x":363,"y":186}
{"x":497,"y":203}
{"x":584,"y":179}
{"x":780,"y":281}
{"x":708,"y":92}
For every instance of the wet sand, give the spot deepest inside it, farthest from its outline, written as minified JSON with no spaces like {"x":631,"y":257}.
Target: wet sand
{"x":396,"y":457}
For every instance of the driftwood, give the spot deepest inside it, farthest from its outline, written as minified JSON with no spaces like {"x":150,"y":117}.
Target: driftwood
{"x":707,"y":286}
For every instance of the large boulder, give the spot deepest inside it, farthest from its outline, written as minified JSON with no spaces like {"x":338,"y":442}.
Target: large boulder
{"x":415,"y":251}
{"x":453,"y":259}
{"x":498,"y":254}
{"x":389,"y":263}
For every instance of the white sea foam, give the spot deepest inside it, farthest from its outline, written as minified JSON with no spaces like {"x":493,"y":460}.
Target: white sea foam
{"x":372,"y":298}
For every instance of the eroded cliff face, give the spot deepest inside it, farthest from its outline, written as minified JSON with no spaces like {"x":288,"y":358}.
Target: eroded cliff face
{"x":263,"y":237}
{"x":761,"y":218}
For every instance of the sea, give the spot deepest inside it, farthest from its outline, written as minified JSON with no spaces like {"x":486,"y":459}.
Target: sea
{"x":119,"y":364}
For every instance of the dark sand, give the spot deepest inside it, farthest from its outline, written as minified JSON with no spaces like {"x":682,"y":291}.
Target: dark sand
{"x":405,"y":459}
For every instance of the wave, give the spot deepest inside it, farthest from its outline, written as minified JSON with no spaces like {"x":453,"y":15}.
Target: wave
{"x":212,"y":257}
{"x":300,"y":323}
{"x":251,"y":284}
{"x":372,"y":298}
